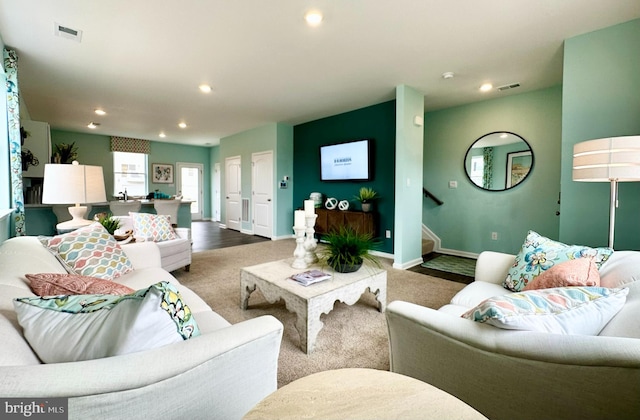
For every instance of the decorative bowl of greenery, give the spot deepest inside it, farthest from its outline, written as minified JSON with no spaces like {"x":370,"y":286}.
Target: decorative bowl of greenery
{"x":109,"y":223}
{"x":346,"y":249}
{"x":366,"y":196}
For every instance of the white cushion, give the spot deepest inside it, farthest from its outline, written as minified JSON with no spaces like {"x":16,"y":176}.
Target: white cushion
{"x":560,"y":310}
{"x":476,"y":292}
{"x":84,"y":327}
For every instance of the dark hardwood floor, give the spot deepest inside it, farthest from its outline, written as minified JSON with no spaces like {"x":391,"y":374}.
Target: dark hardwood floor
{"x":209,"y":235}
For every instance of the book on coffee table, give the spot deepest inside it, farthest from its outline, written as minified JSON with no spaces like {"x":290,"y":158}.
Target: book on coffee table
{"x":311,"y":276}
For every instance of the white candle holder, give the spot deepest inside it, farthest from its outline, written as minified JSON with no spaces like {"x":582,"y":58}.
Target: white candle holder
{"x":310,"y":243}
{"x":300,"y":252}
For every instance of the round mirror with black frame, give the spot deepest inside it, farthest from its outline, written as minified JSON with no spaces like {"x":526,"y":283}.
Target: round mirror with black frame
{"x":498,"y":161}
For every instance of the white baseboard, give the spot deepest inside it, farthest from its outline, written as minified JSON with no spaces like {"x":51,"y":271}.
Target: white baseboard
{"x":408,"y":264}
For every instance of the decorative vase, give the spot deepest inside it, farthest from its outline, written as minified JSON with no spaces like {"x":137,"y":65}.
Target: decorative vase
{"x":367,"y":207}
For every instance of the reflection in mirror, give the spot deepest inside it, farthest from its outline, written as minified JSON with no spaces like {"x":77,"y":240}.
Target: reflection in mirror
{"x":498,"y":161}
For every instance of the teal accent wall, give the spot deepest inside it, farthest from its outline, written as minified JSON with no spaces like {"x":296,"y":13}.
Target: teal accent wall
{"x":408,"y":177}
{"x":279,"y":139}
{"x":601,"y":98}
{"x":95,"y":149}
{"x":469,"y":214}
{"x":375,"y":122}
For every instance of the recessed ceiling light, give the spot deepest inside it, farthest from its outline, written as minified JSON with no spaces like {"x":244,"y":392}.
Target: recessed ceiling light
{"x":313,"y":18}
{"x":99,"y":111}
{"x":486,"y":87}
{"x":205,"y":88}
{"x":162,"y":135}
{"x":182,"y":125}
{"x":93,"y":125}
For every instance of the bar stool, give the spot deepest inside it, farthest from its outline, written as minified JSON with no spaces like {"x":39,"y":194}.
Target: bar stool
{"x":169,"y":208}
{"x":122,"y":208}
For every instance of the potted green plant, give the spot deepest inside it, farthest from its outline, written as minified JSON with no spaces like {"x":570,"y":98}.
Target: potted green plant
{"x":366,"y":196}
{"x":66,"y":153}
{"x":109,"y":223}
{"x":346,"y":249}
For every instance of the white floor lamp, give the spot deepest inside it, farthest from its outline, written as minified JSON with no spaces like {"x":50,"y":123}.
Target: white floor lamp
{"x":73,"y":184}
{"x":613,"y":160}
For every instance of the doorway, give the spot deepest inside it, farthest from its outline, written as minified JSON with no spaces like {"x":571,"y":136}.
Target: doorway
{"x":233,"y":193}
{"x":262,"y":185}
{"x":189,"y":180}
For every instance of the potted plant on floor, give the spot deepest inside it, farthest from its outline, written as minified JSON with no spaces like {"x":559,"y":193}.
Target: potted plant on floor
{"x":366,"y":196}
{"x":346,"y":249}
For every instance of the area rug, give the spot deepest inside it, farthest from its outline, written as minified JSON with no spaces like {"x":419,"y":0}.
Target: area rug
{"x":452,"y":264}
{"x":352,"y":336}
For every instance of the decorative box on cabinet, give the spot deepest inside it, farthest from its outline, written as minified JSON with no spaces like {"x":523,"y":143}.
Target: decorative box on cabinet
{"x":329,"y":220}
{"x":38,"y":142}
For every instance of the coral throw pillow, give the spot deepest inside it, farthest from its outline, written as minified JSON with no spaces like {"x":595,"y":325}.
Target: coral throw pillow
{"x":54,"y":284}
{"x":578,"y":272}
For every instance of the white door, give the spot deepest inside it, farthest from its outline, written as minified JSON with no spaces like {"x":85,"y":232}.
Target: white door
{"x":189,"y":181}
{"x":216,"y":192}
{"x":233,"y":193}
{"x":262,"y":185}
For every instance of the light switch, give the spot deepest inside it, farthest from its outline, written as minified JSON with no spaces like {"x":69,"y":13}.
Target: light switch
{"x":453,"y":184}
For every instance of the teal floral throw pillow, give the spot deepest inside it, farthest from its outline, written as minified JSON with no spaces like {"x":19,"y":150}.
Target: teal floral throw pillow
{"x":539,"y":254}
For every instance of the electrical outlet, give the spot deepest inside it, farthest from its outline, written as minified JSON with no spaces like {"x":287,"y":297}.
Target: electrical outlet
{"x":494,"y":236}
{"x":388,"y":234}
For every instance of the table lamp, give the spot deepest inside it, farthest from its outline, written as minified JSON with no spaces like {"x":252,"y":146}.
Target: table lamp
{"x":611,"y":159}
{"x":73,"y":184}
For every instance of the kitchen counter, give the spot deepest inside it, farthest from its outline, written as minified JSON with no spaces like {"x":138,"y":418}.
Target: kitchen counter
{"x":40,"y":219}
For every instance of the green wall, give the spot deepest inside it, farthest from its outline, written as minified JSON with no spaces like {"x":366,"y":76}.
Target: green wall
{"x":376,"y":122}
{"x":468,"y":216}
{"x":601,"y":98}
{"x":95,"y":149}
{"x":279,"y":139}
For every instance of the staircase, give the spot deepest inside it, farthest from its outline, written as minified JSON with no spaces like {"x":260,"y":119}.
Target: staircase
{"x":427,"y":246}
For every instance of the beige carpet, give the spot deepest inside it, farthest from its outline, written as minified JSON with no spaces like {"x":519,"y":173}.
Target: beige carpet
{"x":352,"y":336}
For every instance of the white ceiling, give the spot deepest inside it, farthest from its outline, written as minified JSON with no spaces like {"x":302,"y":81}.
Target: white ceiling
{"x":142,"y":61}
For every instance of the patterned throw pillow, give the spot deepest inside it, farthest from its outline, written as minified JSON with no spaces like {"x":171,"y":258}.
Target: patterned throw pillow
{"x":539,"y":254}
{"x":89,"y":251}
{"x":561,"y":310}
{"x":152,"y":227}
{"x":85,"y":327}
{"x":52,"y":284}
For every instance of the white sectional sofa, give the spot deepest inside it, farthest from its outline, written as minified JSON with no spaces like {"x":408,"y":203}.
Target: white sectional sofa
{"x":220,"y":374}
{"x":515,"y":374}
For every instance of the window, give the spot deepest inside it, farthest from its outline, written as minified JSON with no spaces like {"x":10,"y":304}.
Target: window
{"x":130,"y":173}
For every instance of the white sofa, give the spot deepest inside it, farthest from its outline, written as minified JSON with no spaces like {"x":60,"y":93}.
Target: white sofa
{"x":220,"y":374}
{"x":175,"y":253}
{"x":508,"y":374}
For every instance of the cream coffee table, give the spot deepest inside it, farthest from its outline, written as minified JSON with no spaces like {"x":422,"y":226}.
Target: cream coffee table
{"x":309,"y":302}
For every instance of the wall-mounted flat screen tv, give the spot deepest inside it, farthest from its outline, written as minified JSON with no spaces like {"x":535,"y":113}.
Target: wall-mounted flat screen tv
{"x":349,"y":161}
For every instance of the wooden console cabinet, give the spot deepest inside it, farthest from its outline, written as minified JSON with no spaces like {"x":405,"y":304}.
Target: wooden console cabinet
{"x":329,"y":220}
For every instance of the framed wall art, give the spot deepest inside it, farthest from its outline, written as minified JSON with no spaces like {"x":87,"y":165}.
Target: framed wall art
{"x":518,"y":166}
{"x":162,"y":173}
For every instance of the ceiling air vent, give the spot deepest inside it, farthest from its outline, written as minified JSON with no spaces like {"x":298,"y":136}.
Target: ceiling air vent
{"x":509,"y":86}
{"x":66,"y":32}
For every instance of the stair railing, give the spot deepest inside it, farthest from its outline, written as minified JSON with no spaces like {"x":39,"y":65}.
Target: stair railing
{"x":428,"y":194}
